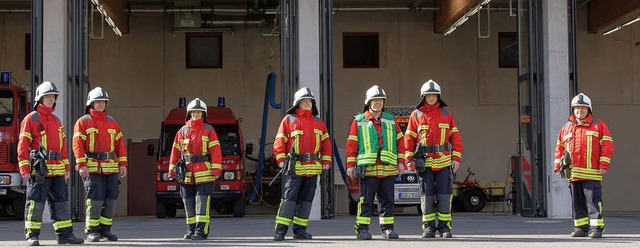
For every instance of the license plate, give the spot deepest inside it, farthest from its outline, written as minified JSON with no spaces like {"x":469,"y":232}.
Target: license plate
{"x":3,"y":191}
{"x":408,"y":195}
{"x":171,"y":188}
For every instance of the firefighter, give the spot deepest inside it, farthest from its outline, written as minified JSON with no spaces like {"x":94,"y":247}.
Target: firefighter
{"x":433,"y":132}
{"x":376,"y":147}
{"x":302,"y":140}
{"x":589,"y":147}
{"x":98,"y":146}
{"x":197,"y":145}
{"x":41,"y":129}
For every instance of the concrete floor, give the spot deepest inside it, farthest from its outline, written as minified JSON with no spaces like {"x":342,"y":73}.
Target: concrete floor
{"x":477,"y":230}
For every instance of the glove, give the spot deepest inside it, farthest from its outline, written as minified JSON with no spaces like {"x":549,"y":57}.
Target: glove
{"x":455,"y":165}
{"x":326,"y":166}
{"x":351,"y":172}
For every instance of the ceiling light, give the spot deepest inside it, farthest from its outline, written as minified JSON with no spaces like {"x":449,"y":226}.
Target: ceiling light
{"x":612,"y":30}
{"x":631,"y":22}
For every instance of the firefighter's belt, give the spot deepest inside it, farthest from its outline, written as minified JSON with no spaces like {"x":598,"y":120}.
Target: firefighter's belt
{"x":436,"y":148}
{"x":306,"y":157}
{"x":190,"y":158}
{"x":51,"y":155}
{"x":102,"y":155}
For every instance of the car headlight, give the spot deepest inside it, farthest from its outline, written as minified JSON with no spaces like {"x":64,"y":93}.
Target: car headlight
{"x":229,"y":175}
{"x":165,"y":176}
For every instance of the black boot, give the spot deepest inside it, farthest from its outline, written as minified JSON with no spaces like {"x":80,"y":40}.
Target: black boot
{"x":108,"y":235}
{"x":446,"y":233}
{"x":595,"y":233}
{"x":302,"y":235}
{"x":70,"y":240}
{"x":279,"y":236}
{"x":198,"y":237}
{"x":581,"y":231}
{"x":190,"y":231}
{"x":33,"y":241}
{"x":428,"y":233}
{"x":390,"y":234}
{"x":93,"y":237}
{"x":363,"y":234}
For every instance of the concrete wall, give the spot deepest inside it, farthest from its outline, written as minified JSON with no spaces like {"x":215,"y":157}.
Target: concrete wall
{"x":145,"y":74}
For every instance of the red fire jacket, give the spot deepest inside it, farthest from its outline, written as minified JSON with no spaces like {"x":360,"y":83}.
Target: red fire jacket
{"x":197,"y":138}
{"x":590,"y":146}
{"x":432,"y":125}
{"x":42,"y":127}
{"x":98,"y":132}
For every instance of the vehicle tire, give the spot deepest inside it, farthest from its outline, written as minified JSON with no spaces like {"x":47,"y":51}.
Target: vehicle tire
{"x":353,"y":208}
{"x":17,"y":208}
{"x":170,"y":210}
{"x":473,"y":200}
{"x":161,"y":212}
{"x":238,"y":207}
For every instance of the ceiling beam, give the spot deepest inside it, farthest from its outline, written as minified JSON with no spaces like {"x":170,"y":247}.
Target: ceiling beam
{"x":450,"y":11}
{"x":605,"y":14}
{"x":116,"y":10}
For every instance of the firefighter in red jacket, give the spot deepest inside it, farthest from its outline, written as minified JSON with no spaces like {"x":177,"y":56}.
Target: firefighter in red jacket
{"x":432,"y":135}
{"x":375,"y":155}
{"x":586,"y":147}
{"x":303,"y":135}
{"x":101,"y":155}
{"x":196,"y":145}
{"x":41,"y":129}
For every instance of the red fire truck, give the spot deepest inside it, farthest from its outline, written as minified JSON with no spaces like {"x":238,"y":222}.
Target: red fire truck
{"x":229,"y":190}
{"x":13,"y":108}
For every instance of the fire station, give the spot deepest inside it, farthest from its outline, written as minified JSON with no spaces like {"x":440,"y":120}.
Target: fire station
{"x":508,"y":70}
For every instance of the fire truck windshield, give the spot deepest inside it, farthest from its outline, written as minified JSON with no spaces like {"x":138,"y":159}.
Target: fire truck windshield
{"x":6,"y":108}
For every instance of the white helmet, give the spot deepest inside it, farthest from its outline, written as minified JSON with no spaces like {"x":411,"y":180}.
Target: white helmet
{"x":375,"y":92}
{"x":196,"y":104}
{"x":303,"y":93}
{"x":581,"y":100}
{"x":430,"y":87}
{"x":46,"y":88}
{"x":98,"y":93}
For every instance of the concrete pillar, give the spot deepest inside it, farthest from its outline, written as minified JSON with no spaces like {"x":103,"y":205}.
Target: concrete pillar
{"x":308,"y":40}
{"x":54,"y":59}
{"x":556,"y":90}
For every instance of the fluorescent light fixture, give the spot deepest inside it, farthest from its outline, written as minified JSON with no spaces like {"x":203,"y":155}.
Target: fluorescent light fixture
{"x":612,"y":30}
{"x":474,"y":10}
{"x":96,"y":2}
{"x":453,"y":28}
{"x":631,"y":22}
{"x":110,"y":21}
{"x":485,"y":2}
{"x":117,"y":31}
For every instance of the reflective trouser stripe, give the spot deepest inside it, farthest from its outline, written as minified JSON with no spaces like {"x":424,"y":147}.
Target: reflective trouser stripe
{"x":596,"y":222}
{"x":444,"y":217}
{"x":581,"y":222}
{"x":362,"y":220}
{"x":429,"y":217}
{"x":191,"y":220}
{"x":61,"y":224}
{"x":105,"y":220}
{"x":300,"y":221}
{"x":283,"y":220}
{"x":386,"y":220}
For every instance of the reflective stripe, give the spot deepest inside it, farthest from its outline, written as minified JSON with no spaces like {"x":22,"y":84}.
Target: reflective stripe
{"x":119,"y":136}
{"x":300,"y":221}
{"x":605,"y":159}
{"x":386,"y":220}
{"x":429,"y":217}
{"x":411,"y":133}
{"x":106,"y":221}
{"x":26,"y":134}
{"x":213,"y":143}
{"x":112,"y":135}
{"x":353,"y":137}
{"x":581,"y":222}
{"x":361,"y":219}
{"x":283,"y":220}
{"x":91,"y":132}
{"x":24,"y":163}
{"x":281,"y":135}
{"x":61,"y":224}
{"x":444,"y":217}
{"x":596,"y":222}
{"x":318,"y":133}
{"x":191,"y":220}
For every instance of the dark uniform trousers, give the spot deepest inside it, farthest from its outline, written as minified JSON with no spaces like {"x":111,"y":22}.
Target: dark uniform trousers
{"x":384,"y":189}
{"x":53,"y":190}
{"x":197,"y":207}
{"x":296,"y":203}
{"x":587,"y":204}
{"x":102,"y":195}
{"x":436,"y":199}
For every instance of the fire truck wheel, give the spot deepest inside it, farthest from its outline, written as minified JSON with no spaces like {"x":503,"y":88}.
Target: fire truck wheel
{"x":171,"y":211}
{"x":238,"y":208}
{"x":473,"y":200}
{"x":17,"y":208}
{"x":161,"y":212}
